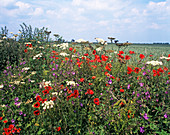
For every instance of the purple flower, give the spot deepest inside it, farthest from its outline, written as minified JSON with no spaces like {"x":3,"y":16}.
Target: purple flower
{"x":141,"y":84}
{"x":138,"y":95}
{"x":133,"y":93}
{"x":110,"y":81}
{"x":166,"y":92}
{"x":111,"y":98}
{"x":73,"y":73}
{"x":12,"y":120}
{"x":144,"y":73}
{"x":16,"y":99}
{"x":5,"y":71}
{"x":142,"y":129}
{"x":20,"y":113}
{"x":53,"y":74}
{"x":24,"y":115}
{"x":166,"y":116}
{"x":145,"y":116}
{"x":81,"y":104}
{"x":128,"y":87}
{"x":53,"y":69}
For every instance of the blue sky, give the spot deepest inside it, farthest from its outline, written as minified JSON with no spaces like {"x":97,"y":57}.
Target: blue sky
{"x":127,"y":20}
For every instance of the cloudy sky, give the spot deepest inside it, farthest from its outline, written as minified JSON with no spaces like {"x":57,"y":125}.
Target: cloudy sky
{"x":127,"y":20}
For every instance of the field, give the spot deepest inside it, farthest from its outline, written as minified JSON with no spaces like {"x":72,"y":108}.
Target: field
{"x":54,"y":88}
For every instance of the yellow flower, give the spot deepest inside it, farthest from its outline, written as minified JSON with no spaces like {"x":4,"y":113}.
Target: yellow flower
{"x":79,"y":131}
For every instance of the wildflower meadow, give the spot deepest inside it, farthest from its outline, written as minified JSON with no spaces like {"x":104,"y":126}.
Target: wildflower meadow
{"x":81,"y":88}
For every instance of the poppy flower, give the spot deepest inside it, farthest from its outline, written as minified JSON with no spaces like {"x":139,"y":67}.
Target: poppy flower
{"x":150,"y":55}
{"x":70,"y":49}
{"x":66,"y":58}
{"x":1,"y":118}
{"x":94,"y":52}
{"x":58,"y":128}
{"x":82,"y":80}
{"x":104,"y":58}
{"x":90,"y":83}
{"x":36,"y":105}
{"x":25,"y":50}
{"x":53,"y":98}
{"x":122,"y":90}
{"x":86,"y":54}
{"x":96,"y":101}
{"x":128,"y":116}
{"x":93,"y":77}
{"x":45,"y":92}
{"x":76,"y":93}
{"x":127,"y":57}
{"x":89,"y":91}
{"x":30,"y":45}
{"x":131,"y":52}
{"x":74,"y":50}
{"x":142,"y":56}
{"x":129,"y":70}
{"x":37,"y":112}
{"x":137,"y":70}
{"x":121,"y":52}
{"x":5,"y":121}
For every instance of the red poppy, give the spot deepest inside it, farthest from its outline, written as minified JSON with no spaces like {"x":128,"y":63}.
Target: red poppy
{"x":89,"y":91}
{"x":74,"y":50}
{"x":96,"y":101}
{"x":104,"y":58}
{"x":53,"y":98}
{"x":131,"y":52}
{"x":107,"y":68}
{"x":37,"y":112}
{"x":142,"y":56}
{"x":58,"y":128}
{"x":127,"y":57}
{"x":121,"y":52}
{"x":129,"y":70}
{"x":66,"y":58}
{"x":76,"y":93}
{"x":5,"y":121}
{"x":150,"y":55}
{"x":36,"y":105}
{"x":70,"y":49}
{"x":137,"y":70}
{"x":1,"y":118}
{"x":86,"y":54}
{"x":122,"y":90}
{"x":94,"y":52}
{"x":48,"y":87}
{"x":30,"y":45}
{"x":82,"y":80}
{"x":128,"y":116}
{"x":165,"y":68}
{"x":90,"y":83}
{"x":25,"y":50}
{"x":45,"y":92}
{"x":93,"y":77}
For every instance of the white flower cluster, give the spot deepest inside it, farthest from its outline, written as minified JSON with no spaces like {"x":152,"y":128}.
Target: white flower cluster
{"x":62,"y":46}
{"x":154,"y":63}
{"x":48,"y":104}
{"x":71,"y":83}
{"x":44,"y":84}
{"x":56,"y":93}
{"x":163,"y":57}
{"x":1,"y":86}
{"x":64,"y":54}
{"x":41,"y":47}
{"x":26,"y":68}
{"x":38,"y":55}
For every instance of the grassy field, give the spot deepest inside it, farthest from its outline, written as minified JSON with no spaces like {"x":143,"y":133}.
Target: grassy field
{"x":60,"y":88}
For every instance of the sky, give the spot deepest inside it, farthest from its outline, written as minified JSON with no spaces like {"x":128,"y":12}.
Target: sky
{"x":136,"y":21}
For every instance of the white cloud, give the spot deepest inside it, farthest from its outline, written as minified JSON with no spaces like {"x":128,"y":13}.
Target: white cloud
{"x":22,"y":5}
{"x":38,"y":11}
{"x":5,"y":3}
{"x":155,"y":26}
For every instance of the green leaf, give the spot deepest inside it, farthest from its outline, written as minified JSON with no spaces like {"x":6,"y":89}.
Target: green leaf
{"x":40,"y":131}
